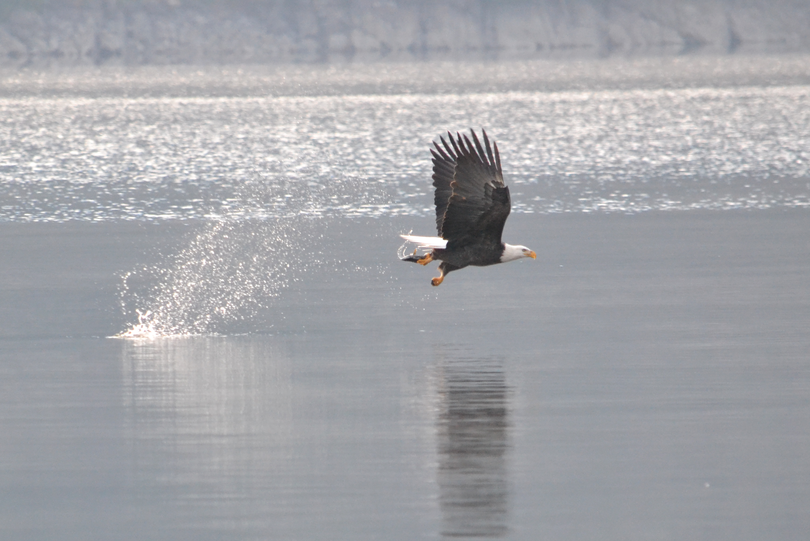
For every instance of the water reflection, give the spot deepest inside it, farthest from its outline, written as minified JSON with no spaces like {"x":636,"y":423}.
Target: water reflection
{"x":276,"y":438}
{"x":207,"y":416}
{"x":473,"y":441}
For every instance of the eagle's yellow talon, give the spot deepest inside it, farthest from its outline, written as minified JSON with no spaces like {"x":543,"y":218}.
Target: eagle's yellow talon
{"x":425,"y":260}
{"x":438,"y":280}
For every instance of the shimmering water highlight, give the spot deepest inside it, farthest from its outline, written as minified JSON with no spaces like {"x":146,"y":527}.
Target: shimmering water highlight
{"x":570,"y":151}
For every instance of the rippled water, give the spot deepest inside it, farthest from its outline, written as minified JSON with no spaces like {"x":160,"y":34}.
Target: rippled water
{"x":277,"y":373}
{"x":255,"y":165}
{"x":627,"y":150}
{"x":648,"y":373}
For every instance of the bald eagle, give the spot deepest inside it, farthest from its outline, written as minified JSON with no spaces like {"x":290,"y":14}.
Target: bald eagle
{"x":472,"y":204}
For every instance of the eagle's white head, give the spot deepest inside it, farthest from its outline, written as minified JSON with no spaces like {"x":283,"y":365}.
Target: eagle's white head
{"x":511,"y":252}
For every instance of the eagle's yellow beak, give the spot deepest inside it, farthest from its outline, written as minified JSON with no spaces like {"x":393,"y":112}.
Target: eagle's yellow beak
{"x":532,"y":254}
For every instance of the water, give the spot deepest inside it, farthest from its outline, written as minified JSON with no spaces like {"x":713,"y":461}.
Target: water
{"x":666,"y":136}
{"x":205,"y":333}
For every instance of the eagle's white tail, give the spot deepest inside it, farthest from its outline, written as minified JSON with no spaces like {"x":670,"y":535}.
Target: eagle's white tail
{"x":426,"y":242}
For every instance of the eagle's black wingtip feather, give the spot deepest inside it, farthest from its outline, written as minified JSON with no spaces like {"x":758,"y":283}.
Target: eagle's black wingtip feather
{"x":469,"y":147}
{"x":489,"y":147}
{"x":482,"y":156}
{"x":455,"y":146}
{"x":441,"y":154}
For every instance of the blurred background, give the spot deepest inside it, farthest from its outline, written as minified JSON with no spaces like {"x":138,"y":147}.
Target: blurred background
{"x":147,"y":32}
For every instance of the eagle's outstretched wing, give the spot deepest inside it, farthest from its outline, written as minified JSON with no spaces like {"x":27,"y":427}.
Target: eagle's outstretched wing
{"x":472,"y":203}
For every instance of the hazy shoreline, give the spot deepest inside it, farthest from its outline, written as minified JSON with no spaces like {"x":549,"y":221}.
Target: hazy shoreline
{"x":176,"y":32}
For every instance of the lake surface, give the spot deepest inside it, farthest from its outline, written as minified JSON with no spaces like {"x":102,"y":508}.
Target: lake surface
{"x":205,"y":332}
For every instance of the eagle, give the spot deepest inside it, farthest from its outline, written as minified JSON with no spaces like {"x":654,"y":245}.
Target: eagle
{"x":472,"y":204}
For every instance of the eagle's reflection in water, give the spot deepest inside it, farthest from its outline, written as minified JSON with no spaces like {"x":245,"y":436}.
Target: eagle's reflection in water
{"x":473,"y":440}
